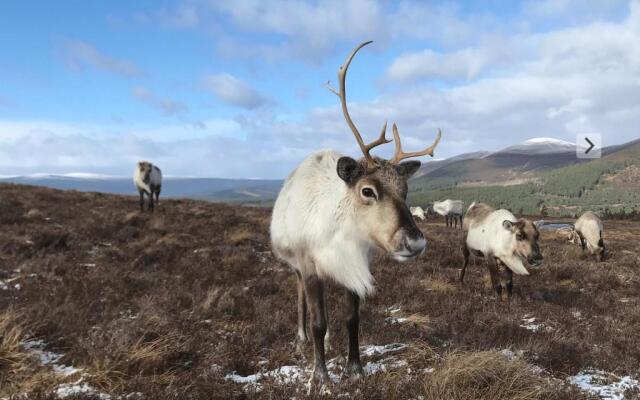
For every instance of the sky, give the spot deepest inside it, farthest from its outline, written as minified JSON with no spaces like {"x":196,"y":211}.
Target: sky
{"x":236,"y":89}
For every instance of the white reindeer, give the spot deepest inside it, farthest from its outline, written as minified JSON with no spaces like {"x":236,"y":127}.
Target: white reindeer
{"x":417,"y":212}
{"x":503,"y":240}
{"x":588,"y":229}
{"x":148,"y":179}
{"x":330,"y":215}
{"x":451,"y":210}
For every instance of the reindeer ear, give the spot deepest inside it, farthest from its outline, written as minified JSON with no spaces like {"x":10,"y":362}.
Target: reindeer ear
{"x":408,"y":168}
{"x":349,"y":170}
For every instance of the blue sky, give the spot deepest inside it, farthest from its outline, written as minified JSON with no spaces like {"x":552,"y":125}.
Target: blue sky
{"x":235,"y":88}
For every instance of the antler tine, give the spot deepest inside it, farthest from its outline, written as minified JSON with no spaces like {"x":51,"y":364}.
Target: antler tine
{"x":380,"y":140}
{"x":401,"y":155}
{"x":342,"y":76}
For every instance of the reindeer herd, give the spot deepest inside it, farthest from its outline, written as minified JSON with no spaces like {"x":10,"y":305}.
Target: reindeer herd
{"x":333,"y":212}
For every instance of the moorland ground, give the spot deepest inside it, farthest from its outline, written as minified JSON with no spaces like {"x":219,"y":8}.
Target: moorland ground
{"x":166,"y":305}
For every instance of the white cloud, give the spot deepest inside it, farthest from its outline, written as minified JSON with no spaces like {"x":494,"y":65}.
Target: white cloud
{"x":78,"y":54}
{"x":231,"y":90}
{"x":563,"y":8}
{"x":166,"y":105}
{"x":466,"y":63}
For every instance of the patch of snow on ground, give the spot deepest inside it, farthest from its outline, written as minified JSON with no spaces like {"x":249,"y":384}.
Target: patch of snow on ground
{"x":36,"y":347}
{"x":529,"y":323}
{"x":385,"y":364}
{"x":604,"y":384}
{"x":372,"y":350}
{"x":393,"y":309}
{"x":290,"y":374}
{"x":71,"y":389}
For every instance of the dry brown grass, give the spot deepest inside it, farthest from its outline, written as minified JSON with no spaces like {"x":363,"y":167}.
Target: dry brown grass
{"x":11,"y":337}
{"x":486,"y":375}
{"x":167,"y":304}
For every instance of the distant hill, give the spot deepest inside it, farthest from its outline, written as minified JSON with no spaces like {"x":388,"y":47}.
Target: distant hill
{"x":520,"y":177}
{"x":212,"y":189}
{"x":540,"y":172}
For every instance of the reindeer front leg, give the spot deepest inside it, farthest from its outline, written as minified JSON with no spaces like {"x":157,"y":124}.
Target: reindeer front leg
{"x":141,"y":200}
{"x":495,"y":277}
{"x":314,"y":289}
{"x":465,"y":254}
{"x":354,"y":367}
{"x":302,"y":315}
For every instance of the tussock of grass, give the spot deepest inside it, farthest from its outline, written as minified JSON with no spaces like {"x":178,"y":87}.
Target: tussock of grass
{"x":486,"y":375}
{"x":11,"y":351}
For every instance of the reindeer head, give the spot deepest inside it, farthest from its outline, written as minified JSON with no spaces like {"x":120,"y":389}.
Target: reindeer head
{"x":145,"y":170}
{"x":526,"y":237}
{"x":378,"y":187}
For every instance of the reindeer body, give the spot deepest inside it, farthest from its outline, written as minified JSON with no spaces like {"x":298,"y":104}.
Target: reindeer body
{"x":148,"y":180}
{"x":503,"y":240}
{"x":417,"y":212}
{"x":589,"y":229}
{"x":451,"y":210}
{"x":313,"y":220}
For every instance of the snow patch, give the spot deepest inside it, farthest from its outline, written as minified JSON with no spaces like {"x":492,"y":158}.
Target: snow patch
{"x":78,"y":387}
{"x":291,"y":374}
{"x":604,"y":384}
{"x":529,"y":323}
{"x":36,"y":347}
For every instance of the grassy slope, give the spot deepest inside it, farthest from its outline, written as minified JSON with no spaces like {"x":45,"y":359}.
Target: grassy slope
{"x":167,"y":304}
{"x":582,"y":185}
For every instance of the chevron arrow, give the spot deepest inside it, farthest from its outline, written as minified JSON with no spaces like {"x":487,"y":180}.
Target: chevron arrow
{"x":590,"y":147}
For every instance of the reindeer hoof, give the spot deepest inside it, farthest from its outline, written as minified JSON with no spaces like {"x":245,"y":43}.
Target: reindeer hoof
{"x":300,"y":345}
{"x":320,"y":378}
{"x":354,"y":371}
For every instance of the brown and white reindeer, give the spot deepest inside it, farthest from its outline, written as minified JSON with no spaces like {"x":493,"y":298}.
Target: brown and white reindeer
{"x":588,"y":229}
{"x":333,"y":211}
{"x":503,"y":240}
{"x":148,"y":180}
{"x":451,"y":210}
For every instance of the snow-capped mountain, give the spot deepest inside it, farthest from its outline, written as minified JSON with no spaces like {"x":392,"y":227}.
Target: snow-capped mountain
{"x":540,"y":145}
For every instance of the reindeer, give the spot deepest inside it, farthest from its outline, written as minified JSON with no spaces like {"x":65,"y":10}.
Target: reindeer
{"x":148,"y":179}
{"x":417,"y":212}
{"x":451,"y":210}
{"x":503,"y":241}
{"x":588,"y":229}
{"x":331,"y":214}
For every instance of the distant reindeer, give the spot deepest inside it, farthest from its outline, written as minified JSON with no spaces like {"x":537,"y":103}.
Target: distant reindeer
{"x":148,"y":180}
{"x":451,"y":210}
{"x":588,"y":229}
{"x":330,"y":215}
{"x":503,"y":240}
{"x":417,"y":212}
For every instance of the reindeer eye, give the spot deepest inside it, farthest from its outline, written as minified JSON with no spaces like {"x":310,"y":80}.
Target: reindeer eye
{"x":368,"y":192}
{"x":519,"y":236}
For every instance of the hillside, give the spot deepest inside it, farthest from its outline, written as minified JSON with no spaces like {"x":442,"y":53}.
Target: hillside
{"x":211,"y":189}
{"x":563,"y":187}
{"x":101,"y":301}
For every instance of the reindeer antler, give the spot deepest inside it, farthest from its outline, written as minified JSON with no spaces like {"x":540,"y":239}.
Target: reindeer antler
{"x":401,"y":155}
{"x":342,"y":76}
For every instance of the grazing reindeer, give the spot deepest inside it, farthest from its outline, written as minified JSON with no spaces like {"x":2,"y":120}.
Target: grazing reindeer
{"x":588,"y":229}
{"x":330,"y":215}
{"x":451,"y":210}
{"x":148,"y":179}
{"x":417,"y":212}
{"x":503,"y":241}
